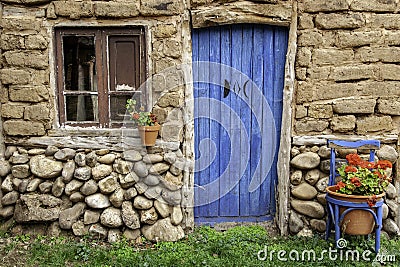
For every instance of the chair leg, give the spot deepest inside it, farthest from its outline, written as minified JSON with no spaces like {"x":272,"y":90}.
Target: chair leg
{"x":328,"y":222}
{"x":378,"y":229}
{"x":337,"y":224}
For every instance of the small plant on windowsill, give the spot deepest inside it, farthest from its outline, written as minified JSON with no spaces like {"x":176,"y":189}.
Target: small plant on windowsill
{"x":146,"y":121}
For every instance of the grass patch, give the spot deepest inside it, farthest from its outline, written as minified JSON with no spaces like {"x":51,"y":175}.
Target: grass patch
{"x":239,"y":246}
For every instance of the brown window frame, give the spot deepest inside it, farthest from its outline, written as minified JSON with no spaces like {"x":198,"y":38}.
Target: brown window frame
{"x":103,"y":70}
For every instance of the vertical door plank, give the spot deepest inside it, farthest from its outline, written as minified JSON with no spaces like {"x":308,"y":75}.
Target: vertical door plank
{"x":245,"y":115}
{"x":265,"y":190}
{"x":235,"y":126}
{"x":257,"y":203}
{"x":215,"y":112}
{"x":204,"y":131}
{"x":224,"y":154}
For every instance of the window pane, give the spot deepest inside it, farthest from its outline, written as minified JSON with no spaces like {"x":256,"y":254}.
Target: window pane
{"x":124,"y":63}
{"x":81,"y":107}
{"x":79,"y":62}
{"x":117,"y":106}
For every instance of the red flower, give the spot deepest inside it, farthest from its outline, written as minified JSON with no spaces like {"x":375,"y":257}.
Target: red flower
{"x":384,"y":164}
{"x":353,"y":159}
{"x":341,"y":184}
{"x":135,"y":116}
{"x":355,"y":181}
{"x":350,"y":169}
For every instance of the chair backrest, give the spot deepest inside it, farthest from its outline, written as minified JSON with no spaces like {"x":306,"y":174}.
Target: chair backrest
{"x":372,"y":145}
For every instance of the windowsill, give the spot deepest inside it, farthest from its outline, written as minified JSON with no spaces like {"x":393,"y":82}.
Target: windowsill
{"x":119,"y":139}
{"x":93,"y":132}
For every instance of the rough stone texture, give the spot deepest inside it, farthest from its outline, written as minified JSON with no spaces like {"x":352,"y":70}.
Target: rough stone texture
{"x":91,"y":217}
{"x":98,"y":231}
{"x":44,"y":167}
{"x":128,"y":180}
{"x":68,"y":171}
{"x":305,"y":161}
{"x":295,"y":223}
{"x":129,"y":216}
{"x":20,"y":171}
{"x":309,"y":208}
{"x":140,"y":169}
{"x":160,"y":7}
{"x":108,"y":185}
{"x":69,"y":216}
{"x":117,"y":197}
{"x":374,"y":124}
{"x":111,"y":217}
{"x":10,"y":198}
{"x":83,"y":173}
{"x":343,"y":123}
{"x":5,"y":167}
{"x":312,"y":176}
{"x":389,"y":106}
{"x":162,"y":208}
{"x":304,"y":191}
{"x":387,"y":153}
{"x":97,"y":201}
{"x":115,"y":9}
{"x":142,"y":203}
{"x":101,"y":171}
{"x":352,"y":106}
{"x":149,"y":216}
{"x":318,"y":225}
{"x":296,"y":177}
{"x":176,"y":215}
{"x":88,"y":188}
{"x":320,"y":111}
{"x":23,"y":128}
{"x":163,"y":230}
{"x":391,"y":227}
{"x":36,"y":208}
{"x":65,"y":154}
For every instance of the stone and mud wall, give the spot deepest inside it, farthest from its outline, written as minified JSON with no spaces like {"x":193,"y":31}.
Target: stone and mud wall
{"x":89,"y":181}
{"x":347,"y":87}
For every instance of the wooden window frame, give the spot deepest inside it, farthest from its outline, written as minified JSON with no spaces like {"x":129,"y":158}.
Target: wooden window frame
{"x":103,"y":71}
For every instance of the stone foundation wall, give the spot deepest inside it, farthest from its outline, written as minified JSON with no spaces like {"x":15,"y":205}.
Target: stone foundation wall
{"x":94,"y":192}
{"x":309,"y":177}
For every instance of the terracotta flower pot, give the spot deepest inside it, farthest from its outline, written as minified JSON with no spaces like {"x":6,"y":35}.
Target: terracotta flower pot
{"x":356,"y":222}
{"x":149,"y":134}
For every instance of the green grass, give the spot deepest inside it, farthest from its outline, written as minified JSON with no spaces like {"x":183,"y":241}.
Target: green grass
{"x":238,"y":246}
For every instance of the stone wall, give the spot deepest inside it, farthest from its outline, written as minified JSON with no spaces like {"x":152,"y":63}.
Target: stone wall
{"x":85,"y":180}
{"x":346,"y":67}
{"x":346,"y":88}
{"x":94,"y":192}
{"x":308,"y":180}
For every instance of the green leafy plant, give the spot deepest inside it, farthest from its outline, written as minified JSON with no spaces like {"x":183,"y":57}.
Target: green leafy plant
{"x":364,"y":178}
{"x":140,"y":117}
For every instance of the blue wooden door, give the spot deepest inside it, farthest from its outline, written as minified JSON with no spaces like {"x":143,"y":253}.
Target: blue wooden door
{"x":238,"y":74}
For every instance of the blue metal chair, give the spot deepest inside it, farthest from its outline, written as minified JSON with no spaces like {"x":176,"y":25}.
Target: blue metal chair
{"x":333,"y":205}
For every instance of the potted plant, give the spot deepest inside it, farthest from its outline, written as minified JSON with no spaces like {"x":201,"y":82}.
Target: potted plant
{"x":146,"y":122}
{"x":360,"y":181}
